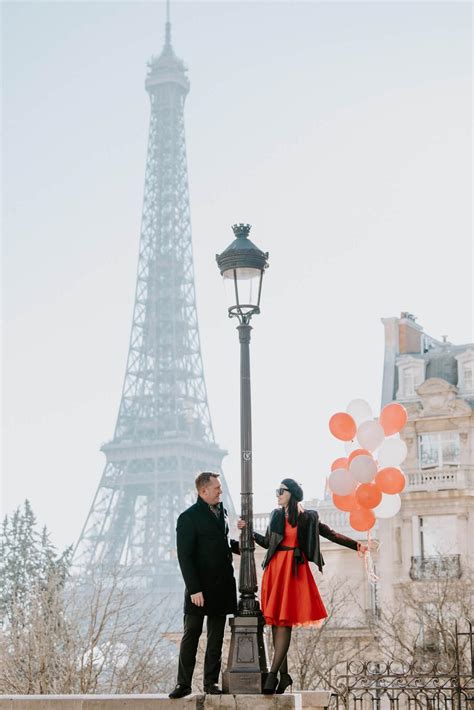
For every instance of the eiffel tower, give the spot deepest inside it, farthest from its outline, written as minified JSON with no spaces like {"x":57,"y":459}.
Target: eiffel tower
{"x":163,"y":435}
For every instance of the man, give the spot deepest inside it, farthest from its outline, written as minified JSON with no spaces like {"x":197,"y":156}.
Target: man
{"x":205,"y":559}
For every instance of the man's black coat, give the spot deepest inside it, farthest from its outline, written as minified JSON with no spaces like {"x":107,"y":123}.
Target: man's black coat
{"x":205,"y":558}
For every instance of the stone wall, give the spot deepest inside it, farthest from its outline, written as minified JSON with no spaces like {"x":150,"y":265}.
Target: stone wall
{"x":289,"y":701}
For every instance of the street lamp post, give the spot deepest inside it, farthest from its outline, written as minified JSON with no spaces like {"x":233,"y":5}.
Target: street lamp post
{"x":242,"y":266}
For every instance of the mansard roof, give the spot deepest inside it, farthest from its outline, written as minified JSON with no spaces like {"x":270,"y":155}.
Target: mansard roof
{"x":404,"y":338}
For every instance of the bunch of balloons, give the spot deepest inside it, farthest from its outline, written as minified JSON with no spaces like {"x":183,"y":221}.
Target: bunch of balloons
{"x":367,"y":482}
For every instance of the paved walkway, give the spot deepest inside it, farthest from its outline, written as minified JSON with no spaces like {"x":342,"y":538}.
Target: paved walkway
{"x":289,"y":701}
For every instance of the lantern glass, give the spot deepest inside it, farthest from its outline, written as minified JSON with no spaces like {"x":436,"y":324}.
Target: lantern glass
{"x":242,"y":287}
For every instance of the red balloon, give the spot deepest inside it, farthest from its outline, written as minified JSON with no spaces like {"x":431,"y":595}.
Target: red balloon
{"x":362,"y":519}
{"x":390,"y":480}
{"x":393,"y":418}
{"x":342,"y":426}
{"x":346,"y":503}
{"x":358,"y":452}
{"x":339,"y":463}
{"x":368,"y":495}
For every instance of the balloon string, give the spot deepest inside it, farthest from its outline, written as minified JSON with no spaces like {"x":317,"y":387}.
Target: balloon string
{"x":369,"y":563}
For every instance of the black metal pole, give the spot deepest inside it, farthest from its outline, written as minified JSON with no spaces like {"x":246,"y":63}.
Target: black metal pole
{"x":247,"y":666}
{"x":248,"y":604}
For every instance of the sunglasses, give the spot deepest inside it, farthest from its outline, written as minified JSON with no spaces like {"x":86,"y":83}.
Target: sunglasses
{"x":280,"y":491}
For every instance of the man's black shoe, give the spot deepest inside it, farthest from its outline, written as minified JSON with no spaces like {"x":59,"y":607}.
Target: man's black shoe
{"x":212,"y":689}
{"x":180,"y":691}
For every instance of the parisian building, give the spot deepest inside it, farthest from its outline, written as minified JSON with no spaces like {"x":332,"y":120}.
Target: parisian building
{"x":430,"y":539}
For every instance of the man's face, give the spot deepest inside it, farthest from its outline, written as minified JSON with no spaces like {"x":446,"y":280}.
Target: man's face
{"x":212,"y":492}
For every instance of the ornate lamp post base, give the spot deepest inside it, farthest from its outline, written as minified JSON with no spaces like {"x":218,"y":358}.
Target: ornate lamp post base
{"x":246,"y":666}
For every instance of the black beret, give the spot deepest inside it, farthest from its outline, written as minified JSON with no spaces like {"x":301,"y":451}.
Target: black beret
{"x":294,"y":488}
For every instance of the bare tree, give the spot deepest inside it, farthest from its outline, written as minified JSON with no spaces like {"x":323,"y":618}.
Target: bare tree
{"x":420,"y":623}
{"x":103,"y":638}
{"x":66,"y":634}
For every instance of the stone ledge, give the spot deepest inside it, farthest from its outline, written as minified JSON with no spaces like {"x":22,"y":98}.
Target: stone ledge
{"x":309,"y":700}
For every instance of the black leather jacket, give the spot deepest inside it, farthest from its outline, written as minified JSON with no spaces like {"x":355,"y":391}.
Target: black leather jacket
{"x":309,"y":530}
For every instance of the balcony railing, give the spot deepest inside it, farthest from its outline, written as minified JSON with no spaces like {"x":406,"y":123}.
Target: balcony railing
{"x":336,"y":519}
{"x":438,"y":479}
{"x":441,"y":566}
{"x":260,"y":522}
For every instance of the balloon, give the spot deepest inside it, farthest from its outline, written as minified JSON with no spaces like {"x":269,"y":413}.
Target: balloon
{"x":342,"y":482}
{"x":370,"y":435}
{"x":368,"y":495}
{"x":346,"y":503}
{"x":350,"y":446}
{"x":392,"y":453}
{"x":393,"y":418}
{"x":362,"y":519}
{"x":342,"y":426}
{"x":358,"y":452}
{"x":388,"y":506}
{"x":360,"y":410}
{"x":390,"y":480}
{"x":339,"y":463}
{"x":363,"y":468}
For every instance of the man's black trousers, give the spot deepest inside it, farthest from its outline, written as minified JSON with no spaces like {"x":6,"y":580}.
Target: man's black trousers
{"x":189,"y":644}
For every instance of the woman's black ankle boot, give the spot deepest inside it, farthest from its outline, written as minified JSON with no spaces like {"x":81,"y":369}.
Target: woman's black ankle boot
{"x":285,"y":681}
{"x":271,"y":683}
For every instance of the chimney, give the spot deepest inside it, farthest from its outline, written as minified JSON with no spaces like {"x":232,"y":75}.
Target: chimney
{"x":410,"y":334}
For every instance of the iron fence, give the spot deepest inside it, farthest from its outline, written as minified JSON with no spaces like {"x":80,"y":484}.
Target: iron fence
{"x":420,"y":685}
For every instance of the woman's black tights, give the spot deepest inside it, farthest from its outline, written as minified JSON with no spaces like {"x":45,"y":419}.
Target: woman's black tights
{"x":281,"y":644}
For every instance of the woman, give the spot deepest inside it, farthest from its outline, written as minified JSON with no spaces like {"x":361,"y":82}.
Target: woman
{"x":289,"y":595}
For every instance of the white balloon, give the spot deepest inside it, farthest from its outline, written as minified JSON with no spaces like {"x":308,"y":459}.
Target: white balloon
{"x":388,"y":506}
{"x":360,"y":410}
{"x":363,"y":468}
{"x":392,"y":453}
{"x":342,"y":482}
{"x":350,"y":446}
{"x":370,"y":435}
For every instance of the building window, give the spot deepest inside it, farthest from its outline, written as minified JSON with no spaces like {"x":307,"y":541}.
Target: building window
{"x":466,"y":371}
{"x":409,"y":383}
{"x":469,"y":377}
{"x":429,"y":635}
{"x":437,"y":535}
{"x":411,"y":373}
{"x":435,"y":548}
{"x":374,"y":599}
{"x":439,"y":449}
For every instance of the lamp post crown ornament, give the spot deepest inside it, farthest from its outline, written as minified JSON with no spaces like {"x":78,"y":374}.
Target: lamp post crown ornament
{"x":242,"y":253}
{"x":241,"y":230}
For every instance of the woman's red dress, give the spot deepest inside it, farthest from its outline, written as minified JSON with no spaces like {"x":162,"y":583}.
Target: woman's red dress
{"x":288,"y":599}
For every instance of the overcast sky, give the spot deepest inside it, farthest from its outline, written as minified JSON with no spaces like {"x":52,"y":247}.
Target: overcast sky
{"x":340,"y":131}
